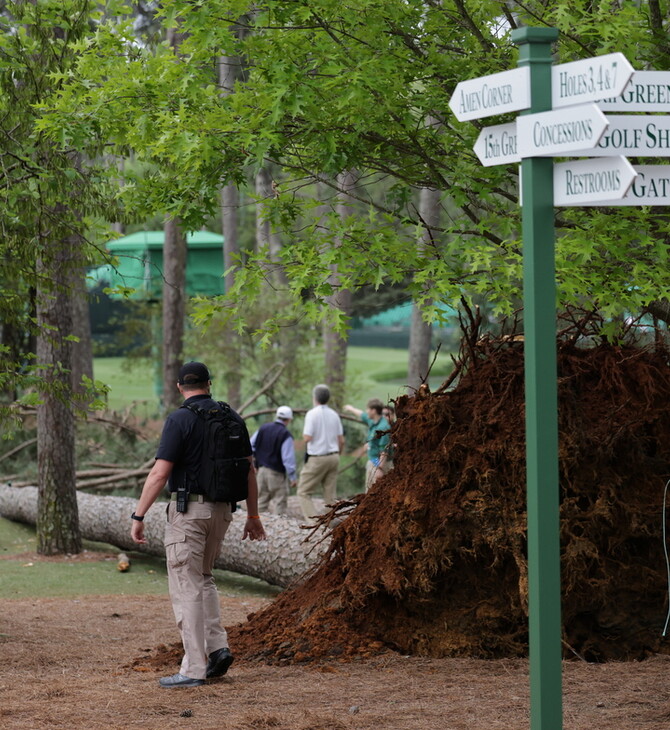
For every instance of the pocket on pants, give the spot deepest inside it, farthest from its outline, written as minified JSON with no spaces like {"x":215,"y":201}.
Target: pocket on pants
{"x":176,"y":551}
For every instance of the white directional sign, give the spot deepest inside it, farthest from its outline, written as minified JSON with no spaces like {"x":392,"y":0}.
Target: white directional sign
{"x":497,"y":145}
{"x":560,"y":132}
{"x":647,"y":91}
{"x":633,"y":135}
{"x":590,"y":79}
{"x":508,"y":91}
{"x":650,"y":187}
{"x":583,"y":182}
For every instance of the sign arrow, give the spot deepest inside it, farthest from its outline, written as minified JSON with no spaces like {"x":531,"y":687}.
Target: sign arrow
{"x":560,"y":132}
{"x":590,"y":79}
{"x":633,"y":135}
{"x":647,"y":91}
{"x":587,"y":182}
{"x":508,"y":91}
{"x":650,"y":187}
{"x":497,"y":145}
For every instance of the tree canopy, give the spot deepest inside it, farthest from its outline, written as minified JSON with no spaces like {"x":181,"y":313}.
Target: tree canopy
{"x":326,"y":87}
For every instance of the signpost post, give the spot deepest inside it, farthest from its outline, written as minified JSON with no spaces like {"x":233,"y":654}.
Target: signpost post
{"x":539,"y":296}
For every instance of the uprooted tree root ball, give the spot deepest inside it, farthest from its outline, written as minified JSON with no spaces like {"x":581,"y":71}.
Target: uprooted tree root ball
{"x":432,"y":561}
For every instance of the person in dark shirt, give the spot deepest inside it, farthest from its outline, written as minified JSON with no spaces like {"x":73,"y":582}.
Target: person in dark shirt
{"x":274,"y":453}
{"x":193,"y":538}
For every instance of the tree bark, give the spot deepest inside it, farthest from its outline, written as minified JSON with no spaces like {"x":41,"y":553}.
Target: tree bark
{"x":231,"y":247}
{"x":281,"y":560}
{"x":57,"y":518}
{"x":335,"y":345}
{"x":420,"y":335}
{"x":82,"y":350}
{"x":174,"y":310}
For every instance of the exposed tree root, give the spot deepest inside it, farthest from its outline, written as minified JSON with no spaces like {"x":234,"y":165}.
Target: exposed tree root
{"x":432,"y":560}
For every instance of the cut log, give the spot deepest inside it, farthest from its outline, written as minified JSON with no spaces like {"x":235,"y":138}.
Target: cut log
{"x":282,"y":559}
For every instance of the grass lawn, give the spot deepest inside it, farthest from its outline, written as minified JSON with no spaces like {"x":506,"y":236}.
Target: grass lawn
{"x":23,"y":575}
{"x":372,"y":372}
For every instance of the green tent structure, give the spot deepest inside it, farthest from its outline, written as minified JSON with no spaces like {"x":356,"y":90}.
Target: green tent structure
{"x":139,"y":265}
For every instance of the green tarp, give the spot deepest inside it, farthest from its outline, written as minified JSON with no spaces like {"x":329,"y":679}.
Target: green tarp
{"x":139,"y":265}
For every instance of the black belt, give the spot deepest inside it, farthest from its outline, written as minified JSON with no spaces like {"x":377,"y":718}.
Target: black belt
{"x":191,"y":497}
{"x":330,"y":453}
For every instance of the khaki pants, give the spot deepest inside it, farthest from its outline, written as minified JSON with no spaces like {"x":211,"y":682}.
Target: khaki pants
{"x":319,"y":470}
{"x":272,"y":490}
{"x":192,"y":543}
{"x":370,"y":471}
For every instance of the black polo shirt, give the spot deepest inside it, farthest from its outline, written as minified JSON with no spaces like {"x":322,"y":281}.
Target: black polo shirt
{"x":182,"y":441}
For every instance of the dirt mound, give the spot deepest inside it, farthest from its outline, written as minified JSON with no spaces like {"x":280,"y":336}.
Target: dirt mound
{"x":432,"y":560}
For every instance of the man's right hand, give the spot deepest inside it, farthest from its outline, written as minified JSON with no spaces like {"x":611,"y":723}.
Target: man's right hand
{"x":137,"y":532}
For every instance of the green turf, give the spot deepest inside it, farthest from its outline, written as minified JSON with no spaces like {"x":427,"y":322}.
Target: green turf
{"x":372,"y":372}
{"x":25,"y":577}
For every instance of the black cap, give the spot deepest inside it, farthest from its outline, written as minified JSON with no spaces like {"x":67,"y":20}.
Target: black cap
{"x":193,"y":373}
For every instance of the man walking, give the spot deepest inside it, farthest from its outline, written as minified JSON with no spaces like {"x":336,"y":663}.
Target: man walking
{"x":274,"y":453}
{"x":193,"y":538}
{"x":324,"y":442}
{"x":378,"y":439}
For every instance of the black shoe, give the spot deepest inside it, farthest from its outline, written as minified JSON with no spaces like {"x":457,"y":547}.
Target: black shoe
{"x":219,"y":662}
{"x":180,"y":680}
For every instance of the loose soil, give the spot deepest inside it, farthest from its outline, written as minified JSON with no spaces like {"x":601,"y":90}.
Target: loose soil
{"x":432,"y":560}
{"x":94,"y":664}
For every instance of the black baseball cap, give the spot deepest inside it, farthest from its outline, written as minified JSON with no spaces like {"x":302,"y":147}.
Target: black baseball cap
{"x":192,"y":373}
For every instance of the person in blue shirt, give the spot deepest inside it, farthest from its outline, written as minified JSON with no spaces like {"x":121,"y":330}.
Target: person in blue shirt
{"x":378,"y":439}
{"x":274,"y":454}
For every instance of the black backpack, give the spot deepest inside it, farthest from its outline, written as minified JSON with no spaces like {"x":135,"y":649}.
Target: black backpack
{"x":224,"y":469}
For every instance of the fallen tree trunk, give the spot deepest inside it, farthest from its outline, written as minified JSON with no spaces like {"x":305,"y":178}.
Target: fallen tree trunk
{"x":282,"y":559}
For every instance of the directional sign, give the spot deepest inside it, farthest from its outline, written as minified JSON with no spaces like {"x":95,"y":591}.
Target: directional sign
{"x":497,"y":145}
{"x":485,"y":96}
{"x":632,"y":135}
{"x":647,"y":91}
{"x":590,"y":79}
{"x":560,"y":132}
{"x":650,"y":187}
{"x":582,"y":182}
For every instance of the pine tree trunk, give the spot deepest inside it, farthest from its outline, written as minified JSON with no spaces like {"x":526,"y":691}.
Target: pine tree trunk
{"x":335,"y":345}
{"x":57,"y":519}
{"x":420,"y":336}
{"x":174,"y":310}
{"x":281,"y":559}
{"x":82,"y":350}
{"x":231,"y":247}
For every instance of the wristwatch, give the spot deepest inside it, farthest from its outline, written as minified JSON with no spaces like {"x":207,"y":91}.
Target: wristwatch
{"x":137,"y":517}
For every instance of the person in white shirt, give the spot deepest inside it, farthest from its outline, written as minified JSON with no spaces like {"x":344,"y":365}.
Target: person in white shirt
{"x":324,"y":442}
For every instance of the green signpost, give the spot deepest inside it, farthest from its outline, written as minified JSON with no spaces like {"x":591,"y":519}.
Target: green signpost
{"x":539,"y":285}
{"x":538,"y":88}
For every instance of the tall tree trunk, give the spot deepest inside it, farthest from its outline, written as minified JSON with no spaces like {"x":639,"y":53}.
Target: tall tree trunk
{"x":420,"y":335}
{"x":57,"y":514}
{"x":231,"y":248}
{"x":82,"y":350}
{"x":265,"y":235}
{"x":174,"y":309}
{"x":263,"y":192}
{"x":335,"y":344}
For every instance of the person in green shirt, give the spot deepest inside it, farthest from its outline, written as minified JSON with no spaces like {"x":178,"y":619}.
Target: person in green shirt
{"x":378,"y":439}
